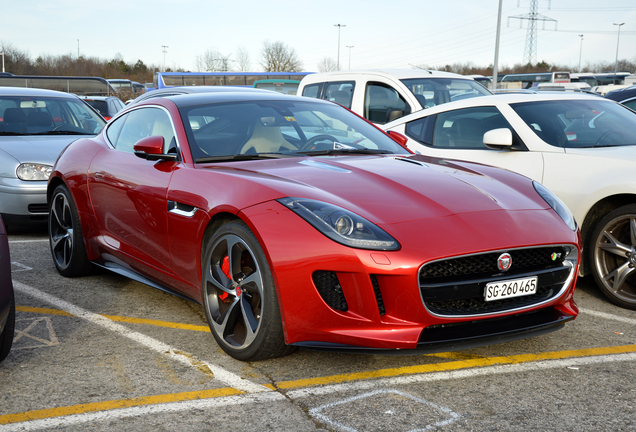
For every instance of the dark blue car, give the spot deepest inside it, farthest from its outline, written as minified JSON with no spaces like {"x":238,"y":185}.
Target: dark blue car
{"x":7,"y":302}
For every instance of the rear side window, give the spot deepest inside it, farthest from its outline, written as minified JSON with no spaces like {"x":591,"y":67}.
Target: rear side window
{"x":312,"y":90}
{"x":340,"y":92}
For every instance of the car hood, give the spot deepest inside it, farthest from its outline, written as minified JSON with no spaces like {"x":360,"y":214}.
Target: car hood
{"x":392,"y":189}
{"x":40,"y":149}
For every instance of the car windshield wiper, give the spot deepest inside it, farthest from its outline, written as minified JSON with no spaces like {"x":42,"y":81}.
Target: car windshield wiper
{"x":240,"y":157}
{"x":61,"y":132}
{"x":343,"y":151}
{"x":11,"y":133}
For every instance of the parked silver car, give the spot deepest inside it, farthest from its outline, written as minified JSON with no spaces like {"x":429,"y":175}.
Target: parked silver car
{"x":35,"y":126}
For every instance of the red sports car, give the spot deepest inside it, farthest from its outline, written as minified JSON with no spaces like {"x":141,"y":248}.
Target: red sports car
{"x":296,"y":223}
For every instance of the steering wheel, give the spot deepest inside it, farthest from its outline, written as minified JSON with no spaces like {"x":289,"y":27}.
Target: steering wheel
{"x":310,"y":142}
{"x":603,"y":137}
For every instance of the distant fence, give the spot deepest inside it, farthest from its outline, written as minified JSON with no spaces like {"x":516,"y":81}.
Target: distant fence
{"x":88,"y":86}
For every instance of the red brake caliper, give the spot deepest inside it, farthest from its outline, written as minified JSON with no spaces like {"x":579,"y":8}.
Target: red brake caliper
{"x":225,"y":268}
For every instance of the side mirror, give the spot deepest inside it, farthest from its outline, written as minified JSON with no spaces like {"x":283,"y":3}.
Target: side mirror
{"x":151,"y":148}
{"x":498,"y":139}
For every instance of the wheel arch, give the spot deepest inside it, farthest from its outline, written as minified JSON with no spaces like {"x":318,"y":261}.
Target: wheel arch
{"x":597,"y":212}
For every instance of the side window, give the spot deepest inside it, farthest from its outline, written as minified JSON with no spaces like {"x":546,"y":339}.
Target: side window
{"x":114,"y":128}
{"x":465,"y":128}
{"x":340,"y":92}
{"x":421,"y":130}
{"x":379,"y":102}
{"x":630,"y":104}
{"x":142,"y":123}
{"x":312,"y":90}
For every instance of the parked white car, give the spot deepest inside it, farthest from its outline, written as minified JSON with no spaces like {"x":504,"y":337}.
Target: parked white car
{"x":581,"y":147}
{"x":383,"y":95}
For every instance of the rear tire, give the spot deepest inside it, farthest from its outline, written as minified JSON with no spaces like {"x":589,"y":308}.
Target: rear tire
{"x":65,"y":235}
{"x":613,"y":248}
{"x":239,"y":295}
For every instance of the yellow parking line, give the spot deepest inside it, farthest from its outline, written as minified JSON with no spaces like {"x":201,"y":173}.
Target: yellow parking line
{"x":311,"y":382}
{"x":116,"y":404}
{"x":455,"y":365}
{"x":119,"y":319}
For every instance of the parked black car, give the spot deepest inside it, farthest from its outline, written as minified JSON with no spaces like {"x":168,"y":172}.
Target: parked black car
{"x":625,"y":95}
{"x":7,"y":302}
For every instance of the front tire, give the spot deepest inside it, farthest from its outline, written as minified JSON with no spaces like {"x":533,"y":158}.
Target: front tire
{"x":6,"y":337}
{"x":239,"y":295}
{"x":613,"y":247}
{"x":65,"y":235}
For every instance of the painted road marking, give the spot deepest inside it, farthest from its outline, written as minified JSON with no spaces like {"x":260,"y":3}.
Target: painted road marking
{"x":317,"y":412}
{"x":608,"y":316}
{"x":129,"y":320}
{"x":220,"y":374}
{"x":21,"y":267}
{"x":19,"y":334}
{"x":179,"y":402}
{"x":29,"y":241}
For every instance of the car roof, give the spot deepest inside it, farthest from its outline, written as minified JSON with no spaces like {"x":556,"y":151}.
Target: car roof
{"x":394,"y":73}
{"x":192,"y":89}
{"x":622,"y":94}
{"x":185,"y":100}
{"x":103,"y":98}
{"x":23,"y":91}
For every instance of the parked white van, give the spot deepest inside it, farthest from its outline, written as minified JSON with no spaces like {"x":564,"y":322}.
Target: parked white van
{"x":384,"y":95}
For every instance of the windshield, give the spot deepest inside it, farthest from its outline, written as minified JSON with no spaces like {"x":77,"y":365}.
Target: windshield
{"x":579,"y":123}
{"x":28,"y":115}
{"x":281,"y":128}
{"x":436,"y":91}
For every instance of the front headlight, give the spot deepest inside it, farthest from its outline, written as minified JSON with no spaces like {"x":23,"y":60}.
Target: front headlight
{"x":341,"y":225}
{"x":557,"y":205}
{"x":32,"y":171}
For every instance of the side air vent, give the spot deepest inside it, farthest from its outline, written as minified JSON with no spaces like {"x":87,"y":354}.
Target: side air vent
{"x":329,"y":288}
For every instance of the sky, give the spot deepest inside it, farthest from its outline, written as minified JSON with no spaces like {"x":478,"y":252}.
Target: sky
{"x":373,"y":33}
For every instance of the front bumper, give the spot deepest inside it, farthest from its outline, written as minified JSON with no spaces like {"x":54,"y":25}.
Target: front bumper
{"x":22,"y":201}
{"x":384,"y":307}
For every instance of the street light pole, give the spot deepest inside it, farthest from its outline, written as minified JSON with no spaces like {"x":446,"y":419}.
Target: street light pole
{"x":349,"y":46}
{"x":2,"y":54}
{"x":339,"y":26}
{"x":580,"y":52}
{"x":495,"y":65}
{"x":617,"y":40}
{"x":164,"y":56}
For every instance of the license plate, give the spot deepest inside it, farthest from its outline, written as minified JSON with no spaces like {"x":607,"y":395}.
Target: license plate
{"x":512,"y":288}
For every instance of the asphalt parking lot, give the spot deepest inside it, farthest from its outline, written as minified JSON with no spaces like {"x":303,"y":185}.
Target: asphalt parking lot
{"x":105,"y":353}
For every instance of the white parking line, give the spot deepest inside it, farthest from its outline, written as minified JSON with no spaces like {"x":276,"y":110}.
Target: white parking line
{"x":117,"y":414}
{"x":608,"y":316}
{"x":220,"y":374}
{"x":29,"y":241}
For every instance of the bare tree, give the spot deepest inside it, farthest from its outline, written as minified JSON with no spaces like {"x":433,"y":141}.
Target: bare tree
{"x":243,"y":60}
{"x":278,"y":57}
{"x":327,"y":64}
{"x":212,"y":61}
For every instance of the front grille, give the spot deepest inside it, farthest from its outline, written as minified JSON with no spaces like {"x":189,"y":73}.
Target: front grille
{"x":456,"y":286}
{"x":38,"y":208}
